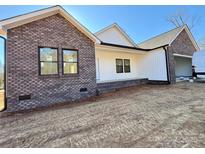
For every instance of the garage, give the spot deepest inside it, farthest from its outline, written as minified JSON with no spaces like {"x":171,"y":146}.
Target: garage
{"x":183,"y":66}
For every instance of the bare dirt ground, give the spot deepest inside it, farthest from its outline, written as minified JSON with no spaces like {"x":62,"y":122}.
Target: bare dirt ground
{"x":141,"y":116}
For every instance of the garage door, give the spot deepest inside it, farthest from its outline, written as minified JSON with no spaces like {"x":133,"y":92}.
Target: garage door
{"x":183,"y":66}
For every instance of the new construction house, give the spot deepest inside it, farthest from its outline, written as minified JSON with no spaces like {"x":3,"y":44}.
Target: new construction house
{"x":51,"y":58}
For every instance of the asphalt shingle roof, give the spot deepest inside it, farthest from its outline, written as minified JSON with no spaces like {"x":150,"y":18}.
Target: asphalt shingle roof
{"x":160,"y":40}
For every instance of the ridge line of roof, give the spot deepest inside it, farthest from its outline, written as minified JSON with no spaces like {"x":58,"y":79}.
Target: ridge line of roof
{"x":79,"y":22}
{"x":120,"y":29}
{"x":31,"y":12}
{"x":160,"y":35}
{"x":104,"y":28}
{"x":126,"y":34}
{"x":59,"y":9}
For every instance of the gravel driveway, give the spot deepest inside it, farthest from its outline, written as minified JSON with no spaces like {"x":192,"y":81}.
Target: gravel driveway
{"x":141,"y":116}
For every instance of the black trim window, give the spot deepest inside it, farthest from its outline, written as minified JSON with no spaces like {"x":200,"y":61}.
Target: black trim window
{"x":119,"y":65}
{"x":70,"y":61}
{"x":48,"y":61}
{"x":126,"y":65}
{"x":123,"y":65}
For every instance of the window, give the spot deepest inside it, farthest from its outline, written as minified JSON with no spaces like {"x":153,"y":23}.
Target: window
{"x":126,"y":65}
{"x":48,"y":61}
{"x":122,"y":65}
{"x":70,"y":61}
{"x":119,"y":65}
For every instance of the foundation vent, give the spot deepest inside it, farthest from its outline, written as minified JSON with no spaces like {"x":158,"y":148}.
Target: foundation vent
{"x":24,"y":97}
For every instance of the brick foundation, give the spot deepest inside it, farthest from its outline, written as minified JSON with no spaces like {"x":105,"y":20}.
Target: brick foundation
{"x":111,"y":86}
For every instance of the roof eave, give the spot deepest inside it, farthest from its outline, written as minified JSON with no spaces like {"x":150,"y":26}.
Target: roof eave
{"x":36,"y":15}
{"x":101,"y":47}
{"x":133,"y":48}
{"x":66,"y":15}
{"x":186,"y":28}
{"x":127,"y":37}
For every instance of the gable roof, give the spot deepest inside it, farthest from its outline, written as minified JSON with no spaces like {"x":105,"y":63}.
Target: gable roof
{"x":167,"y":38}
{"x":121,"y":31}
{"x":40,"y":14}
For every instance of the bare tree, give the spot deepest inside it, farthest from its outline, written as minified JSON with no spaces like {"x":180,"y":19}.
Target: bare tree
{"x":182,"y":17}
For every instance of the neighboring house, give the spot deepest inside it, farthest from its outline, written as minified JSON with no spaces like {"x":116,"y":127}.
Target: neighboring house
{"x":51,"y":58}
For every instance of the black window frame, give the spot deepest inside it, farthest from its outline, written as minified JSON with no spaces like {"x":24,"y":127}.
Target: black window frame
{"x":39,"y":61}
{"x":70,"y":74}
{"x":126,"y":66}
{"x":117,"y":65}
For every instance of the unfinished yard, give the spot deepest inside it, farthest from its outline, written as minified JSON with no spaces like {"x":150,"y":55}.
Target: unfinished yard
{"x":141,"y":116}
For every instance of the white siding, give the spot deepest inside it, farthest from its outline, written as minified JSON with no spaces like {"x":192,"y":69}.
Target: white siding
{"x":106,"y":65}
{"x":153,"y":65}
{"x":114,"y":36}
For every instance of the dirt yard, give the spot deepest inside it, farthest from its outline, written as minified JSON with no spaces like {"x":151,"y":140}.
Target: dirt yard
{"x":142,"y":116}
{"x":1,"y":100}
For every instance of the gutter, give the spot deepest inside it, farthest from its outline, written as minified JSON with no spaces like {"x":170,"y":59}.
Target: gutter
{"x":167,"y":64}
{"x":129,"y":47}
{"x":5,"y":62}
{"x":142,"y":49}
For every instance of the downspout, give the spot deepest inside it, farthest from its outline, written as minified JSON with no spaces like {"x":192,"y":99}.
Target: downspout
{"x":5,"y":65}
{"x":167,"y":64}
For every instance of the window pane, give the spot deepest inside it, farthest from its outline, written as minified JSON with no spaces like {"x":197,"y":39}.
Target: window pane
{"x":49,"y":68}
{"x":70,"y":68}
{"x":119,"y":62}
{"x":126,"y":62}
{"x":70,"y":56}
{"x":127,"y":65}
{"x":119,"y":69}
{"x":48,"y":54}
{"x":127,"y":69}
{"x":119,"y":66}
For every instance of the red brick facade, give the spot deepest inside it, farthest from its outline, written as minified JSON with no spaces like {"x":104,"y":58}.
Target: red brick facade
{"x":23,"y":64}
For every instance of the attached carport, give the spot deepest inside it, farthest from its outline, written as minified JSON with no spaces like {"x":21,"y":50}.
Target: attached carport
{"x":183,"y":65}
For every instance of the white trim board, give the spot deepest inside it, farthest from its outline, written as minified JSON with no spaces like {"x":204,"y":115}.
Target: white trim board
{"x":118,"y":49}
{"x":115,"y":25}
{"x":180,"y":55}
{"x":40,"y":14}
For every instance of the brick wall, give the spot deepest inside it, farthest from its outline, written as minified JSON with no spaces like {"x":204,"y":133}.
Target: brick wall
{"x":110,"y":86}
{"x":181,"y":45}
{"x":23,"y":66}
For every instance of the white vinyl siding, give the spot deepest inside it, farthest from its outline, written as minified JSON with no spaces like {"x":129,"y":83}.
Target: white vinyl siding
{"x":114,"y":36}
{"x":151,"y":65}
{"x":106,"y":65}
